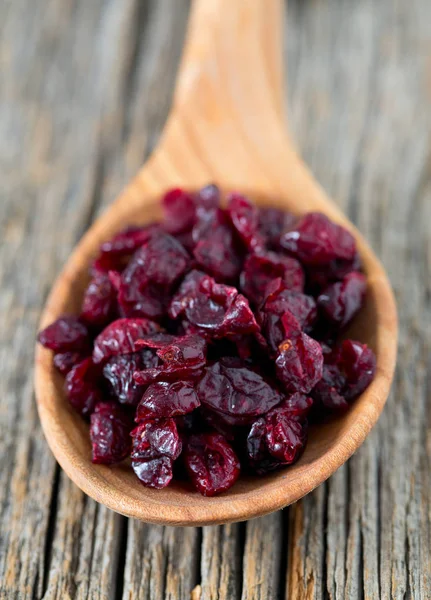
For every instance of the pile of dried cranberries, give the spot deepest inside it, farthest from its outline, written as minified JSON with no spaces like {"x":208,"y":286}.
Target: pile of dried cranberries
{"x":214,"y":331}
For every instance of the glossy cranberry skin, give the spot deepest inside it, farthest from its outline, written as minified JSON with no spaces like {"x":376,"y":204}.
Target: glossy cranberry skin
{"x":154,"y":473}
{"x":357,"y":362}
{"x":340,"y":301}
{"x":164,"y":399}
{"x":99,"y":306}
{"x":299,"y":363}
{"x":179,"y":209}
{"x":328,"y":391}
{"x":260,"y":269}
{"x":65,"y":361}
{"x":230,"y":387}
{"x":115,"y":253}
{"x":272,"y":222}
{"x":156,"y":437}
{"x":109,"y":433}
{"x":66,"y":334}
{"x":83,"y":386}
{"x":119,"y":371}
{"x":245,"y":219}
{"x":298,"y":406}
{"x":315,"y":240}
{"x":182,"y":357}
{"x":211,"y":462}
{"x":120,"y":337}
{"x":217,"y":254}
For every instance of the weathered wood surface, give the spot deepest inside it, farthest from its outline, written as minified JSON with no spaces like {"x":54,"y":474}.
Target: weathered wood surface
{"x":85,"y":87}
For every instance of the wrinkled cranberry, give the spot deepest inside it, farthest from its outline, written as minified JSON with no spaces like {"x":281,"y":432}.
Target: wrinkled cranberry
{"x":115,"y":253}
{"x":65,"y":361}
{"x":109,"y":433}
{"x":150,"y":275}
{"x":230,"y":387}
{"x":211,"y":463}
{"x":297,"y":405}
{"x":155,"y":437}
{"x":217,"y":255}
{"x":328,"y":391}
{"x":83,"y":386}
{"x":261,"y":269}
{"x":315,"y":240}
{"x":182,"y":357}
{"x":357,"y":362}
{"x":320,"y":276}
{"x":179,"y":211}
{"x":154,"y":473}
{"x":64,"y":335}
{"x":272,"y":222}
{"x":340,"y":301}
{"x":120,"y":337}
{"x":245,"y":218}
{"x":119,"y":371}
{"x":163,"y":399}
{"x":299,"y":363}
{"x":99,"y":306}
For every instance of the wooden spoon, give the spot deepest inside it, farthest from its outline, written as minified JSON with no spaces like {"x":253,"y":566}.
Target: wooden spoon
{"x":226,"y":126}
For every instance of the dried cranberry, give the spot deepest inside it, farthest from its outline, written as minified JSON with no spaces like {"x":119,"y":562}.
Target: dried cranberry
{"x":285,"y":436}
{"x":182,"y":357}
{"x":315,"y":240}
{"x":231,"y":388}
{"x":261,"y":269}
{"x":245,"y":219}
{"x":163,"y":399}
{"x":99,"y":306}
{"x":299,"y":363}
{"x":64,"y":335}
{"x":120,"y":337}
{"x":109,"y":433}
{"x":179,"y":211}
{"x":119,"y":371}
{"x":115,"y":253}
{"x":208,"y":197}
{"x":217,"y":254}
{"x":83,"y":387}
{"x":340,"y":301}
{"x":272,"y":222}
{"x":297,"y":405}
{"x":357,"y":362}
{"x":211,"y":463}
{"x":320,"y":276}
{"x":328,"y":391}
{"x":156,"y":437}
{"x":155,"y":473}
{"x":65,"y":361}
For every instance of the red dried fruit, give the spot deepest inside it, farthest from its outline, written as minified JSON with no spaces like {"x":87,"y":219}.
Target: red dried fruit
{"x":65,"y":361}
{"x":321,"y":276}
{"x":315,"y":240}
{"x":163,"y":399}
{"x":299,"y":363}
{"x":297,"y":405}
{"x":154,"y":438}
{"x":231,"y":388}
{"x":120,"y":337}
{"x":179,"y":211}
{"x":182,"y":357}
{"x":328,"y":391}
{"x":357,"y":362}
{"x":245,"y":219}
{"x":83,"y":387}
{"x":155,"y":473}
{"x":115,"y":253}
{"x":65,"y":334}
{"x":260,"y":269}
{"x":340,"y":301}
{"x":99,"y":306}
{"x":147,"y":281}
{"x":211,"y":463}
{"x":109,"y":433}
{"x":272,"y":223}
{"x":217,"y":254}
{"x":119,"y":371}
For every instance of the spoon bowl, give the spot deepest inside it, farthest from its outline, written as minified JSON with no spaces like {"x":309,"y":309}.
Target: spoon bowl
{"x":225,"y":127}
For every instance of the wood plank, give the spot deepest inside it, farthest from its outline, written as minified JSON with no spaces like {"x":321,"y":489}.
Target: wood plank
{"x":221,"y":562}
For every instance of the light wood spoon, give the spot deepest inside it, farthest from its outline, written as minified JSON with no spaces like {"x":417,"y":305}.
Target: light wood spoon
{"x":226,"y":126}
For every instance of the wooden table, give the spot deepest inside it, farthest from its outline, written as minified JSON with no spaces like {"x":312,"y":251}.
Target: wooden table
{"x":85,"y":87}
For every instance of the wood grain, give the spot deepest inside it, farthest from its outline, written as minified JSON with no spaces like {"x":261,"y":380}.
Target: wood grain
{"x":359,"y":92}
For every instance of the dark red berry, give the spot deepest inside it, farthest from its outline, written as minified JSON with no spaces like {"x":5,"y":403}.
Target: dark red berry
{"x":83,"y":386}
{"x":261,"y":269}
{"x":163,"y":399}
{"x":217,"y":255}
{"x":179,"y":211}
{"x":315,"y":240}
{"x":272,"y":222}
{"x":109,"y":433}
{"x":99,"y":306}
{"x":119,"y":371}
{"x":357,"y":362}
{"x":115,"y":253}
{"x":299,"y":363}
{"x":154,"y":473}
{"x":66,"y":334}
{"x":340,"y":301}
{"x":120,"y":337}
{"x":65,"y":361}
{"x":156,"y":437}
{"x":211,"y":463}
{"x":245,"y":219}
